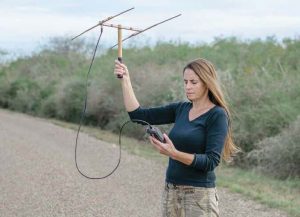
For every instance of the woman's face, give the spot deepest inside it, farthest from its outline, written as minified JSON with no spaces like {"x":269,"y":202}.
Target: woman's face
{"x":194,"y":87}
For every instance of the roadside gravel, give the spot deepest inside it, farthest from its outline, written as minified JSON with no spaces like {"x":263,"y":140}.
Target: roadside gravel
{"x":39,"y":177}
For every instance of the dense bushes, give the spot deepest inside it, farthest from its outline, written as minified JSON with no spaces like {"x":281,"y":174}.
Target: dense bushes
{"x":278,"y":155}
{"x":261,"y":80}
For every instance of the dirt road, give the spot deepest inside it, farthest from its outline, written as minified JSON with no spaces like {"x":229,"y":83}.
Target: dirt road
{"x":38,"y":176}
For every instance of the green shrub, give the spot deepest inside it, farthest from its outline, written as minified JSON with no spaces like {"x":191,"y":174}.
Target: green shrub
{"x":260,"y":78}
{"x":48,"y":107}
{"x":69,"y":99}
{"x":263,"y":104}
{"x":24,"y":95}
{"x":279,"y":155}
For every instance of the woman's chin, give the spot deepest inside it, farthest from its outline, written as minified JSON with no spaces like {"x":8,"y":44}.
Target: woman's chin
{"x":189,"y":97}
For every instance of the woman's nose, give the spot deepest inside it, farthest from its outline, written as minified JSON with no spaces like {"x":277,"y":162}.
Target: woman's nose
{"x":188,"y":86}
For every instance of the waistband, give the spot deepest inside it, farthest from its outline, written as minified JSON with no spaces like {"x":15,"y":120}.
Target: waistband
{"x":169,"y":185}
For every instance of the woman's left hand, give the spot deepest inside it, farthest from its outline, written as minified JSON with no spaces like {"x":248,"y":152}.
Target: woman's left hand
{"x":167,"y":148}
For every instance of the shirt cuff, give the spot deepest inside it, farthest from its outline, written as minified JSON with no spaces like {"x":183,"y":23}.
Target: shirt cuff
{"x":193,"y":164}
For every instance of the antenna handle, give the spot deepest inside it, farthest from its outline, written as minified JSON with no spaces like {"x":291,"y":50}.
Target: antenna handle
{"x":120,"y":59}
{"x":120,"y":47}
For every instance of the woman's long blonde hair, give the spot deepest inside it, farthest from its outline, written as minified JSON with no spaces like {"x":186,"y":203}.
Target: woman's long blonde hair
{"x":207,"y":73}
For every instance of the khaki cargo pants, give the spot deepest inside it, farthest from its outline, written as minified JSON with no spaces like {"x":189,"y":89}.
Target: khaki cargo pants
{"x":189,"y":201}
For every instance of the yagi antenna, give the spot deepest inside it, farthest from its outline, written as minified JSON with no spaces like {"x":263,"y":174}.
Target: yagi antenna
{"x":103,"y":23}
{"x":120,"y":27}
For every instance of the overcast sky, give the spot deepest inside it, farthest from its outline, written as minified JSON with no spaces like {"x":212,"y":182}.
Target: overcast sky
{"x":27,"y":24}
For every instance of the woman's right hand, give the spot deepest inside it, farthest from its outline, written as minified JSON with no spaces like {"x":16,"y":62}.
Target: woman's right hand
{"x":130,"y":100}
{"x":121,"y":70}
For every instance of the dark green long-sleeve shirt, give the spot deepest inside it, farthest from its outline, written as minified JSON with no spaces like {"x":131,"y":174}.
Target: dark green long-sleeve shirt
{"x":203,"y":136}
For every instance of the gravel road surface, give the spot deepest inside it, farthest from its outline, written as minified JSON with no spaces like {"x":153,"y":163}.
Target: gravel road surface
{"x":39,"y":177}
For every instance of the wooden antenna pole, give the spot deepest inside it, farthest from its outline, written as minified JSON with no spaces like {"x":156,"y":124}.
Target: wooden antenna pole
{"x":120,"y":43}
{"x":120,"y":46}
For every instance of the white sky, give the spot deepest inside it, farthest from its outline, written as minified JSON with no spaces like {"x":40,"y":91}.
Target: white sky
{"x":26,"y":24}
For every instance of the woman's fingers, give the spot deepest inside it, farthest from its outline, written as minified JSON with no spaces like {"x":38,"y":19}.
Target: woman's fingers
{"x":154,"y":144}
{"x":120,"y":69}
{"x":118,"y":72}
{"x":168,"y":140}
{"x":164,"y":148}
{"x":118,"y":63}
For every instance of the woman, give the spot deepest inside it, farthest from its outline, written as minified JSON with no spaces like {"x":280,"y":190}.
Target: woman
{"x":200,"y":136}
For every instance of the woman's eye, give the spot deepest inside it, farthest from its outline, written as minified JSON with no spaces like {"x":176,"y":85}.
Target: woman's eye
{"x":193,"y":82}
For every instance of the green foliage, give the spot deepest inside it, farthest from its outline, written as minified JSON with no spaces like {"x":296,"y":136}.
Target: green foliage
{"x":260,"y":78}
{"x":264,"y":103}
{"x":279,"y":155}
{"x":69,"y":99}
